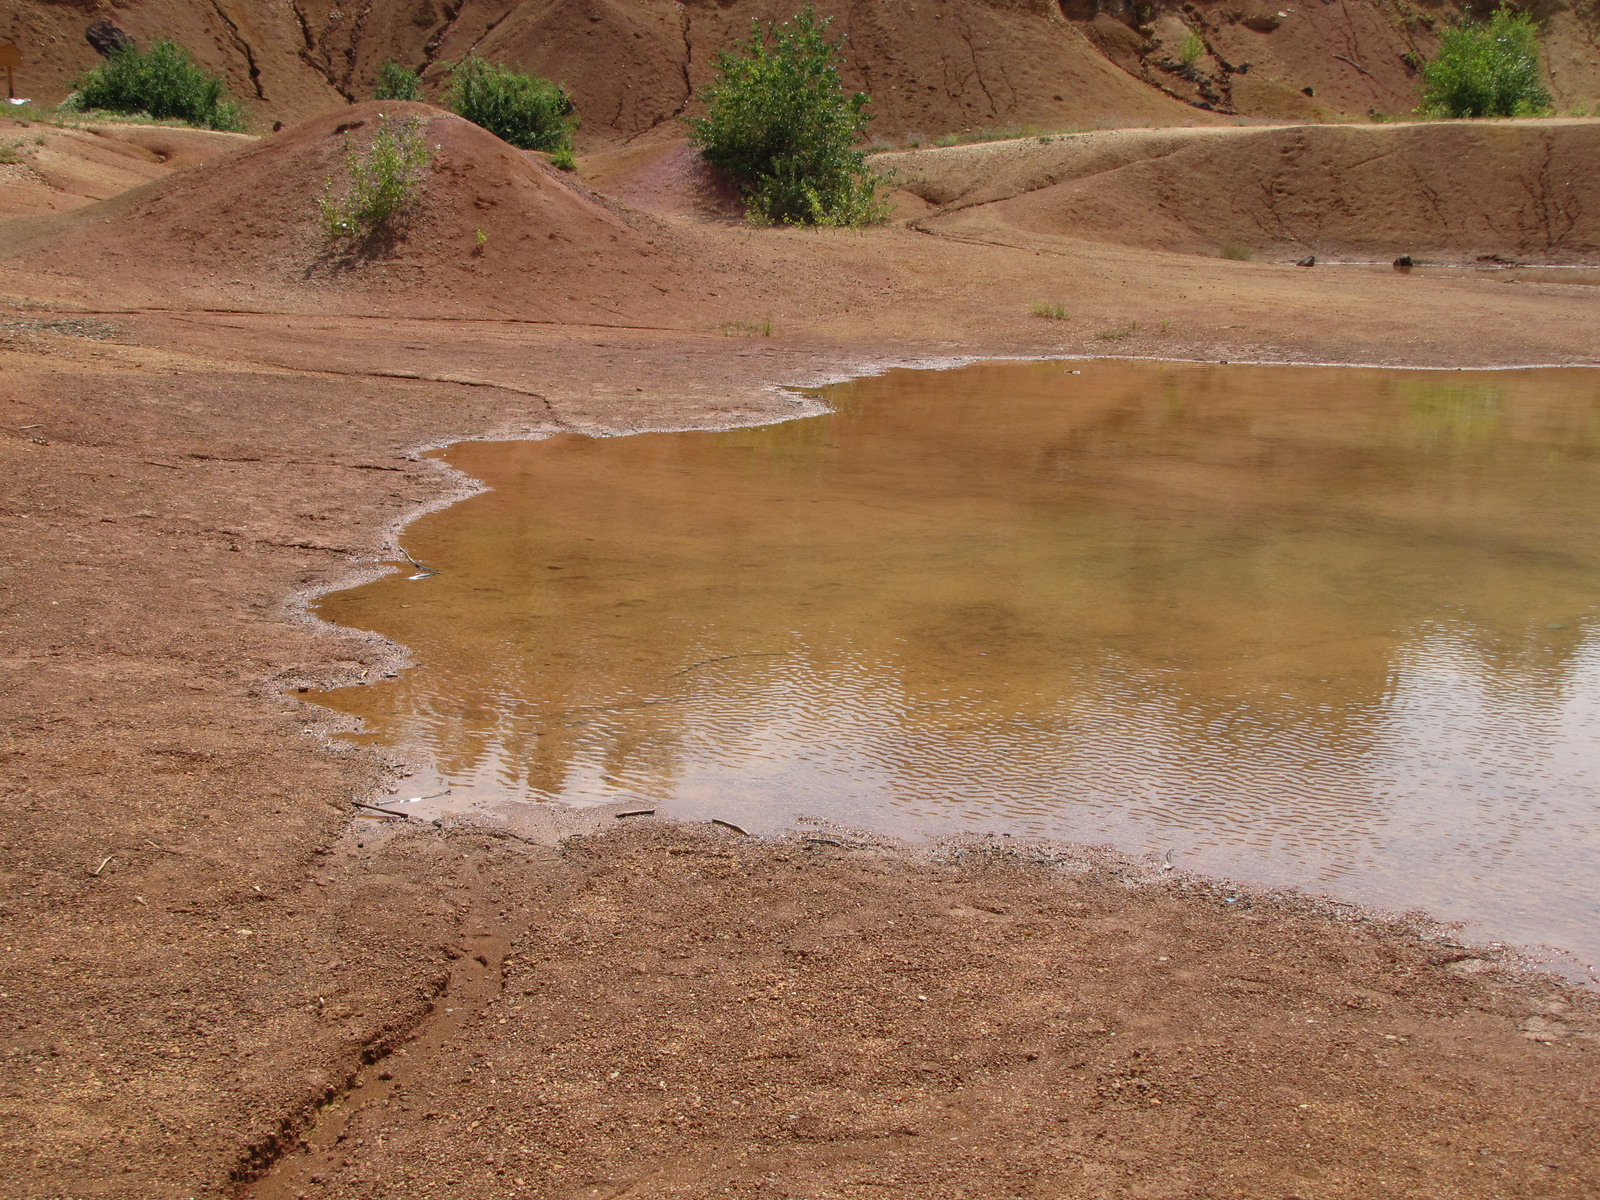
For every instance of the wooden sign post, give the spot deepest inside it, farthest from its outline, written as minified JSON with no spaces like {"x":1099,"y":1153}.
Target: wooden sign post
{"x":10,"y":59}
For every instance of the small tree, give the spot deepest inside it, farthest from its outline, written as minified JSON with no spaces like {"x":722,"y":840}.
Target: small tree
{"x":1190,"y":48}
{"x":164,"y":82}
{"x":1486,"y":70}
{"x":397,"y":83}
{"x":778,"y":120}
{"x":526,"y":110}
{"x":385,"y":179}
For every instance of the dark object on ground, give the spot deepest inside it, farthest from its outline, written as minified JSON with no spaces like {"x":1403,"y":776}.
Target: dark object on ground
{"x":1309,"y":260}
{"x":1403,"y":263}
{"x":1308,"y":91}
{"x":107,"y":38}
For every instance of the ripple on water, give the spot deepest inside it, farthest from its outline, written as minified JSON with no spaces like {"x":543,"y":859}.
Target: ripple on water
{"x":1327,"y":627}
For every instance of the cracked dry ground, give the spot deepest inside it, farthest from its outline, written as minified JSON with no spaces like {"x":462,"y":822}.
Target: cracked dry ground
{"x":201,"y":955}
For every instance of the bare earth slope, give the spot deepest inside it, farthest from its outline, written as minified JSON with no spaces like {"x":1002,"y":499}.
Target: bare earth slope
{"x":252,"y":218}
{"x":932,"y":67}
{"x":1451,"y":191}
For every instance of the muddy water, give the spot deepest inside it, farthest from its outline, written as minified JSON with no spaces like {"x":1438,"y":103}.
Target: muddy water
{"x":1331,"y":627}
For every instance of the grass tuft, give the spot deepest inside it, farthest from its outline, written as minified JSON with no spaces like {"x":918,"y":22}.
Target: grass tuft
{"x":1118,"y":332}
{"x":1050,"y":311}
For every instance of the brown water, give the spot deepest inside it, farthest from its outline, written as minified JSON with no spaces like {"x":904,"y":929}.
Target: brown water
{"x":1323,"y":626}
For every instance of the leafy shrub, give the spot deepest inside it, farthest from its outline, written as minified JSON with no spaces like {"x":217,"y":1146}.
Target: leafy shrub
{"x":397,"y":83}
{"x":778,"y":120}
{"x":385,"y":179}
{"x":164,"y":82}
{"x":562,"y":160}
{"x":529,"y":112}
{"x":1191,"y":48}
{"x":1486,"y":70}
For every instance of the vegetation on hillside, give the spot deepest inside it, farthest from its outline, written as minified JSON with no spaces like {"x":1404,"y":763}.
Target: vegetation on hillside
{"x":779,"y":121}
{"x":525,"y":110}
{"x":384,"y":180}
{"x":163,"y":82}
{"x":397,"y":83}
{"x":1486,"y":70}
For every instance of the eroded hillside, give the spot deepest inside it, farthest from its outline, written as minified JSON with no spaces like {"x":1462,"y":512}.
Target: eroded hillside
{"x":932,"y":66}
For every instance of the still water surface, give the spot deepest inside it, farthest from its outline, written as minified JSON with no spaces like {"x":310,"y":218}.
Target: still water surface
{"x":1330,"y":627}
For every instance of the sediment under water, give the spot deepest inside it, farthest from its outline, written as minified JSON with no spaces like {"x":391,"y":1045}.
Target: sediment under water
{"x":1330,"y":627}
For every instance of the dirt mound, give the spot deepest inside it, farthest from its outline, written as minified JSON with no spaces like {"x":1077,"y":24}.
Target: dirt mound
{"x":1455,"y":191}
{"x":497,"y":231}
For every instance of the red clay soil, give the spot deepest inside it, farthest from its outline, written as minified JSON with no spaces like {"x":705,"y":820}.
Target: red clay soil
{"x":495,"y":224}
{"x":55,"y":169}
{"x":1451,"y":191}
{"x":934,"y":67}
{"x":212,"y":962}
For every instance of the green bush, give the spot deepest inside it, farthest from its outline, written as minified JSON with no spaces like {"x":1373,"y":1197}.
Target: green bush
{"x":384,"y":180}
{"x":529,"y":112}
{"x":1191,"y":48}
{"x":1486,"y":70}
{"x":164,"y":82}
{"x":778,"y":120}
{"x":397,"y":83}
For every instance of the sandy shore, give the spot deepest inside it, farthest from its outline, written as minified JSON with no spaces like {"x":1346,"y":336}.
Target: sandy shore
{"x":209,"y":960}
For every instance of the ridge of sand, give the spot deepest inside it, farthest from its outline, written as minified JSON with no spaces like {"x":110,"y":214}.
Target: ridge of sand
{"x":1455,"y":191}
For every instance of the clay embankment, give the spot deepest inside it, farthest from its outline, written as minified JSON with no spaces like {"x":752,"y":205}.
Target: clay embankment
{"x":52,"y":169}
{"x":934,"y":67}
{"x":1451,"y":192}
{"x":201,"y":952}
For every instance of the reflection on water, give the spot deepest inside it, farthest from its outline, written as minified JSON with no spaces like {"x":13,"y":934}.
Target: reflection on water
{"x":1332,"y":627}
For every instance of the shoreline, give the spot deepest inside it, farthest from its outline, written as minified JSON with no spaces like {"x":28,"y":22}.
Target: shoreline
{"x":182,"y":1012}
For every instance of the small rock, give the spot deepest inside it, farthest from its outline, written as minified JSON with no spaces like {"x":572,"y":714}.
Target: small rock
{"x":108,"y":38}
{"x":1403,"y":263}
{"x":1309,"y":260}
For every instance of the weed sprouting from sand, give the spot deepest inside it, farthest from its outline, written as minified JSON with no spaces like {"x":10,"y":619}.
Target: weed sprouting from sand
{"x":779,"y":121}
{"x":562,"y":160}
{"x":1486,"y":70}
{"x":1050,"y":311}
{"x":397,"y":83}
{"x":1237,"y":251}
{"x":480,"y":239}
{"x":164,"y":82}
{"x":16,"y":151}
{"x":385,"y":179}
{"x":762,"y":328}
{"x":525,"y":110}
{"x":1118,"y":332}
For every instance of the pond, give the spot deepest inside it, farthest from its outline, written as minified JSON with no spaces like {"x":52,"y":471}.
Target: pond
{"x":1330,"y":627}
